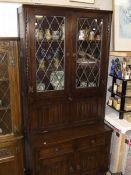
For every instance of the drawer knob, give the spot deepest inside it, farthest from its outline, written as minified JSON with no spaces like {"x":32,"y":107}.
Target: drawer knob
{"x":57,"y":149}
{"x":93,"y":141}
{"x":44,"y":143}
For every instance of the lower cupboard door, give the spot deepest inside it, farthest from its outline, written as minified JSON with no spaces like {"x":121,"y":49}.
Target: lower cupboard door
{"x":92,"y":162}
{"x":61,"y":165}
{"x":93,"y":173}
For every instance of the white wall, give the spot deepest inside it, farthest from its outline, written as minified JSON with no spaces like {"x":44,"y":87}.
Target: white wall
{"x":8,"y":12}
{"x":102,"y":4}
{"x":8,"y":20}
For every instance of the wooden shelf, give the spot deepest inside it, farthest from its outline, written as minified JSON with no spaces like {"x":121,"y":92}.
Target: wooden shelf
{"x":112,"y":119}
{"x":84,"y":63}
{"x":50,"y":41}
{"x":119,"y":78}
{"x":50,"y":70}
{"x":119,"y":94}
{"x":4,"y":79}
{"x":119,"y":110}
{"x":91,"y":41}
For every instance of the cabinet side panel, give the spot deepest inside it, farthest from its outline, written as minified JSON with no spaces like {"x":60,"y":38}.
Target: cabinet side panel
{"x":22,"y":29}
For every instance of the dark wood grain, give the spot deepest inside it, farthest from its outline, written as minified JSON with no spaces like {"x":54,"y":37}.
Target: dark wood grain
{"x":11,"y":144}
{"x":64,"y":130}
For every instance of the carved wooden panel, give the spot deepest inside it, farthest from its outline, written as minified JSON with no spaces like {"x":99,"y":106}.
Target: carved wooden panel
{"x":6,"y":152}
{"x":61,"y":115}
{"x":85,"y":110}
{"x":9,"y":167}
{"x":56,"y":166}
{"x":95,"y":159}
{"x":11,"y":158}
{"x":50,"y":116}
{"x":9,"y":149}
{"x":55,"y":150}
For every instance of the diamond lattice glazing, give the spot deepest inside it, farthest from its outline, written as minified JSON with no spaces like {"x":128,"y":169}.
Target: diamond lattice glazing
{"x":50,"y":52}
{"x":88,"y":52}
{"x":5,"y":112}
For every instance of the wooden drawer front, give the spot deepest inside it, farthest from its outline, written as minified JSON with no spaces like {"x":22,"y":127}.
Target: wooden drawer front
{"x":55,"y":150}
{"x":9,"y":166}
{"x":7,"y":152}
{"x":10,"y":149}
{"x":91,"y":141}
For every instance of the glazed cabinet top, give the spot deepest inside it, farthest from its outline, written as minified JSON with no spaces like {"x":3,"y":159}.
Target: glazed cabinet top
{"x":64,"y":58}
{"x":66,"y":50}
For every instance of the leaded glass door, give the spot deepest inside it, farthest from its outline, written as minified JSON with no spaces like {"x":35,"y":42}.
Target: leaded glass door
{"x":50,"y":53}
{"x":5,"y":107}
{"x":10,"y":122}
{"x":88,"y":65}
{"x":88,"y":59}
{"x":88,"y":52}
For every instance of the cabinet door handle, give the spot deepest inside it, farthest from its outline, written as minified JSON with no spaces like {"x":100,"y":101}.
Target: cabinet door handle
{"x":71,"y":169}
{"x":92,"y":141}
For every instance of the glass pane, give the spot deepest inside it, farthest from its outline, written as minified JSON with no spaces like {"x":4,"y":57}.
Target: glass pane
{"x":50,"y":52}
{"x":5,"y":111}
{"x":89,"y":35}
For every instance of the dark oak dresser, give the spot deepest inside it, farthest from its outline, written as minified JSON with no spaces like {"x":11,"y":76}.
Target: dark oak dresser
{"x":64,"y":65}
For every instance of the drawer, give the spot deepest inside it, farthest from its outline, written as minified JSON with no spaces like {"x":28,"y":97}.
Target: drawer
{"x":55,"y":150}
{"x":91,"y":141}
{"x":6,"y":152}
